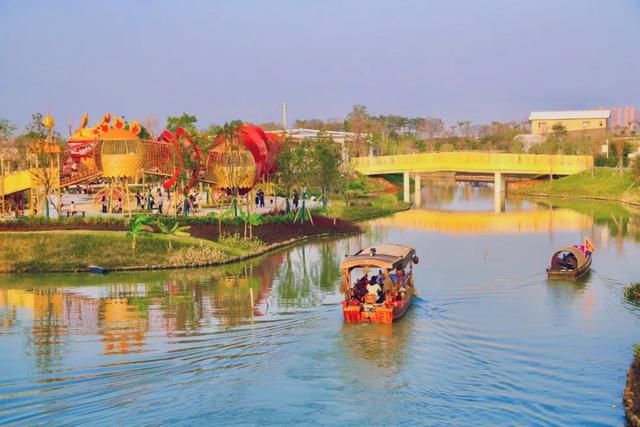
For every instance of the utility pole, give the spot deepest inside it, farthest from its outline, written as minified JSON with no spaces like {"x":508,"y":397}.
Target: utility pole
{"x":284,"y":116}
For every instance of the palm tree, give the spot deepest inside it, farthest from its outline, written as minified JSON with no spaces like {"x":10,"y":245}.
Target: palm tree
{"x":175,"y":230}
{"x":137,"y":229}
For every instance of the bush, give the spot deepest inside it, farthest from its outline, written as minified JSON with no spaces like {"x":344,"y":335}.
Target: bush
{"x":632,"y":293}
{"x":602,"y":161}
{"x":635,"y":169}
{"x":237,"y":241}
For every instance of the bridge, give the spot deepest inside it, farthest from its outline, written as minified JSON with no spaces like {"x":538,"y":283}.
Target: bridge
{"x":499,"y":165}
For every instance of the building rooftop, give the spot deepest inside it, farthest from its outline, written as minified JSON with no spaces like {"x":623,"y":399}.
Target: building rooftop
{"x":565,"y":115}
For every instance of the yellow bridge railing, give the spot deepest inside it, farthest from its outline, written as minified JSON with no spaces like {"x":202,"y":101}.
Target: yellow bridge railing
{"x":474,"y":162}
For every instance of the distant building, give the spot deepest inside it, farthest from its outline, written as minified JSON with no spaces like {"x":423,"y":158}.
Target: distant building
{"x":589,"y":121}
{"x":624,"y":117}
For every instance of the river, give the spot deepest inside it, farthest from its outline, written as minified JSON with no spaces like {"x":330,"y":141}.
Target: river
{"x":489,"y":341}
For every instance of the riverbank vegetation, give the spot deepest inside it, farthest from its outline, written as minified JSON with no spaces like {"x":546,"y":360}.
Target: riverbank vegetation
{"x":41,"y":244}
{"x":600,"y":184}
{"x":43,"y":251}
{"x":631,"y":397}
{"x":632,"y":293}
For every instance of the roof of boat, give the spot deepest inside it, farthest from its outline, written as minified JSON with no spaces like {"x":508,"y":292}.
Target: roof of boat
{"x":386,"y":256}
{"x":580,"y":256}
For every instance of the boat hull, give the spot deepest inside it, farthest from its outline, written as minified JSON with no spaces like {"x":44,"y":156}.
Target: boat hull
{"x":376,"y":313}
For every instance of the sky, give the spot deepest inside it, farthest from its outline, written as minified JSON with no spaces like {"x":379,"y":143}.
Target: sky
{"x":478,"y":60}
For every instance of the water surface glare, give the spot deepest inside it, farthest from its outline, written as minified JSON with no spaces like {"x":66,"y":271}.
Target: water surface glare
{"x":489,"y":341}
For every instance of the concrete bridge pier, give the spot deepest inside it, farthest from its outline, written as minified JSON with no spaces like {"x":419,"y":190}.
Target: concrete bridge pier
{"x":407,"y":189}
{"x":500,"y":192}
{"x":417,"y":180}
{"x":500,"y":185}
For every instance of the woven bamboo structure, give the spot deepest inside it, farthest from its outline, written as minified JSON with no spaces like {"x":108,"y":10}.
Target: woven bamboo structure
{"x":229,"y":167}
{"x":122,"y":154}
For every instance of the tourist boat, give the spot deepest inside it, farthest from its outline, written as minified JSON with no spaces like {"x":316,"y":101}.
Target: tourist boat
{"x":394,"y":265}
{"x":570,"y":262}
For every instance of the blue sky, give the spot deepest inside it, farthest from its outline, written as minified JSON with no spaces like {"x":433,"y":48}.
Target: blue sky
{"x":479,"y":60}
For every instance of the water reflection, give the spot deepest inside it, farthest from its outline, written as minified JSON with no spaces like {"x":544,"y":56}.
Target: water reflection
{"x":263,"y":342}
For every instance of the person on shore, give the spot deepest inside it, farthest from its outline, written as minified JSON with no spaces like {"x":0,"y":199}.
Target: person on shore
{"x":160,"y":201}
{"x":73,"y":208}
{"x":187,"y":206}
{"x":119,"y":205}
{"x":261,"y":198}
{"x":103,"y":202}
{"x":138,"y":200}
{"x":193,"y":202}
{"x":296,"y":199}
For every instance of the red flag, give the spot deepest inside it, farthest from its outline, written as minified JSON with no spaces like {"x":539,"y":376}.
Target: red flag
{"x":588,"y":246}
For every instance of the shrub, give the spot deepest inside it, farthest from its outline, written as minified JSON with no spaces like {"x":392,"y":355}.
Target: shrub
{"x":237,"y":241}
{"x":195,"y":255}
{"x":635,"y":169}
{"x":632,"y":293}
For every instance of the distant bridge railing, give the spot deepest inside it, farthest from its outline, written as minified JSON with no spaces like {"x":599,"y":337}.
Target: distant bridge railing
{"x":473,"y":161}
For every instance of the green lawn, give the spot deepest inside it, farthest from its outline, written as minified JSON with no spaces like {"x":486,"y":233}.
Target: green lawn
{"x":360,"y":209}
{"x":77,"y":249}
{"x":605,"y":183}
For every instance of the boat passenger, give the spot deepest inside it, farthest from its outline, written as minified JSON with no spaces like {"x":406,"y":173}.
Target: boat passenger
{"x":361,"y":287}
{"x":374,"y":289}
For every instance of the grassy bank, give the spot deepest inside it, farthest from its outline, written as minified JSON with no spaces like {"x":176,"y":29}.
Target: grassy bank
{"x":605,"y":184}
{"x":362,"y":209}
{"x":77,"y":249}
{"x":631,"y":397}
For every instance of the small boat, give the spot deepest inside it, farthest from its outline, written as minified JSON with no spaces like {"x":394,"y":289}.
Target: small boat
{"x":385,"y":296}
{"x":98,"y":270}
{"x":570,"y":262}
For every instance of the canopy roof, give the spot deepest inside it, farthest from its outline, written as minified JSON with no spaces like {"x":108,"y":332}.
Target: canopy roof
{"x":387,"y":256}
{"x":581,"y":257}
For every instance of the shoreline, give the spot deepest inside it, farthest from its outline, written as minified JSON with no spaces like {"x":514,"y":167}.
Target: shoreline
{"x":631,"y":395}
{"x":599,"y":184}
{"x":576,"y":197}
{"x":265,"y":250}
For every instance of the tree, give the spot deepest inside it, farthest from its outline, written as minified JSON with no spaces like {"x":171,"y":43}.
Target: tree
{"x":144,"y":133}
{"x":327,"y":161}
{"x":138,"y":228}
{"x":432,"y":126}
{"x":184,"y":121}
{"x":286,"y":170}
{"x":175,"y":230}
{"x":151,"y":124}
{"x":6,"y":131}
{"x":358,"y":122}
{"x":558,"y":132}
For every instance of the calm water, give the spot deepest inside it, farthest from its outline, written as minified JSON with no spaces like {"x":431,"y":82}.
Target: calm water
{"x":490,"y":341}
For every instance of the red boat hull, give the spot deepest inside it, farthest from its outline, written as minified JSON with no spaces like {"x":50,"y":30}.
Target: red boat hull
{"x":383,"y":313}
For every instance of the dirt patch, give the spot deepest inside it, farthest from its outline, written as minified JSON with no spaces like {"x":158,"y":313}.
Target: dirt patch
{"x":631,"y":398}
{"x":388,"y":186}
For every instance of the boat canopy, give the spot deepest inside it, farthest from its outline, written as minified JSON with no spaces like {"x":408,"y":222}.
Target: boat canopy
{"x":387,"y":256}
{"x":580,"y":256}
